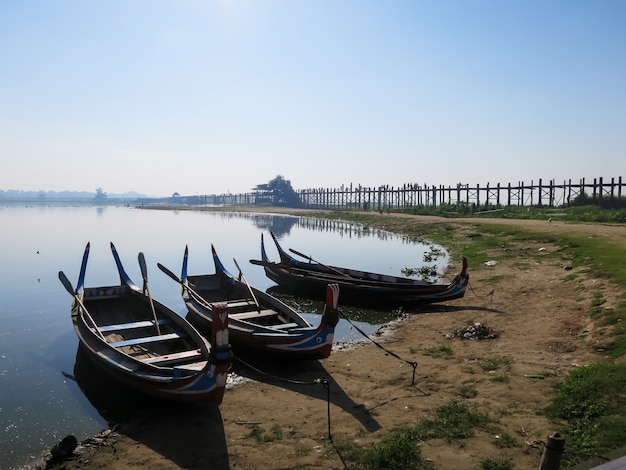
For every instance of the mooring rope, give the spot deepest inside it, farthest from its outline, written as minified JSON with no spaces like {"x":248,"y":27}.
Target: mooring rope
{"x":391,"y":353}
{"x":283,"y":379}
{"x":489,"y":294}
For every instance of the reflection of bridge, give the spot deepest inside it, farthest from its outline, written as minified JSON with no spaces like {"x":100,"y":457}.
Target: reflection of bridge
{"x":281,"y":224}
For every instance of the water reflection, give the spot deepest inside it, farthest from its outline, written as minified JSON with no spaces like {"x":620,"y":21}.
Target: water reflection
{"x":282,"y":225}
{"x":113,"y":400}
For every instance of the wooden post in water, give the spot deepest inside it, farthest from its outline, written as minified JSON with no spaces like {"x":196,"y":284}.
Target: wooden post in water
{"x":551,"y":458}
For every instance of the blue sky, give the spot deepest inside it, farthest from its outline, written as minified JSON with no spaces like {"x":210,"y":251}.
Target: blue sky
{"x":209,"y":97}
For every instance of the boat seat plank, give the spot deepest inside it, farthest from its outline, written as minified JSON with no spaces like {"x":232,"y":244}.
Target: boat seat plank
{"x":233,"y":304}
{"x":192,"y":367}
{"x":145,"y":339}
{"x":169,"y":358}
{"x":285,"y":326}
{"x":254,"y":314}
{"x":132,"y":325}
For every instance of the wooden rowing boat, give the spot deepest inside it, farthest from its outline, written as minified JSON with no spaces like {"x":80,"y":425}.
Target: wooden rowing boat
{"x":146,"y":345}
{"x":257,"y":320}
{"x":357,"y":287}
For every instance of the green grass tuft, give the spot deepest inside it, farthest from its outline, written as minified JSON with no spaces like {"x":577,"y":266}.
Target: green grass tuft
{"x":593,"y":402}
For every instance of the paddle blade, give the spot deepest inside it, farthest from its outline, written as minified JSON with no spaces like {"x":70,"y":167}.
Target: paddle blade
{"x":183,"y":273}
{"x":142,"y":266}
{"x":169,"y":273}
{"x":66,"y":283}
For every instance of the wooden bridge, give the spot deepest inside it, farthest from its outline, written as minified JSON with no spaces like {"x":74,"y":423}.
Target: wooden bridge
{"x":550,"y":194}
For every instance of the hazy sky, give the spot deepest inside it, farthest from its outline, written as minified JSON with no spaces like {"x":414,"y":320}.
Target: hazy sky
{"x":208,"y":97}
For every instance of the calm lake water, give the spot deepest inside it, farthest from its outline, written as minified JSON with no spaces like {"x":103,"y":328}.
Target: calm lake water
{"x":40,"y":403}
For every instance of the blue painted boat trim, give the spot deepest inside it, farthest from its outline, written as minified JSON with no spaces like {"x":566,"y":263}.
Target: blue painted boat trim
{"x":124,"y":279}
{"x":83,"y":268}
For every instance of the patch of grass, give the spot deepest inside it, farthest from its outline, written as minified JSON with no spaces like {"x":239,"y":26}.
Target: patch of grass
{"x":468,"y":391}
{"x":499,"y":463}
{"x":570,"y":277}
{"x":400,"y":449}
{"x":505,"y":441}
{"x":617,"y":348}
{"x":509,"y":410}
{"x":302,"y":451}
{"x":490,"y":365}
{"x":444,"y":351}
{"x":597,"y":301}
{"x":614,"y":317}
{"x":275,"y":434}
{"x":593,"y":402}
{"x":452,"y":421}
{"x":502,"y":378}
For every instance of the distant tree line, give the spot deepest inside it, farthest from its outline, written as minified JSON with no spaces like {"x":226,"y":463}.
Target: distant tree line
{"x":98,"y":195}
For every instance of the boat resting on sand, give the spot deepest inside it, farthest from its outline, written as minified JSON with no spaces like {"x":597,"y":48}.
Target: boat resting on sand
{"x":357,"y":287}
{"x":146,"y":345}
{"x":257,"y":320}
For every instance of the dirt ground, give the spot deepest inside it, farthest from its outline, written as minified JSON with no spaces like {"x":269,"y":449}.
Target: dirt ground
{"x":544,"y":332}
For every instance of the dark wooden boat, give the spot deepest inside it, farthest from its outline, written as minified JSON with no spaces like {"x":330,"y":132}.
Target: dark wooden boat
{"x":257,"y":320}
{"x":146,"y":345}
{"x":357,"y":287}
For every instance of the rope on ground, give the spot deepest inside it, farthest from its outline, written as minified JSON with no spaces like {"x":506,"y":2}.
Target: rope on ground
{"x":324,"y":382}
{"x":391,"y":353}
{"x":489,"y":294}
{"x":283,"y":379}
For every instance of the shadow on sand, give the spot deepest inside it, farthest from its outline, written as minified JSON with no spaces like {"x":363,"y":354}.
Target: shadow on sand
{"x":308,"y":378}
{"x":182,"y":433}
{"x":443,"y":308}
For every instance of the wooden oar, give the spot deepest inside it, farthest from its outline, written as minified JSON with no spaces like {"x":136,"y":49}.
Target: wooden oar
{"x":180,"y":281}
{"x":248,"y":285}
{"x":144,"y":274}
{"x":321,"y":264}
{"x":258,"y":262}
{"x":68,"y":287}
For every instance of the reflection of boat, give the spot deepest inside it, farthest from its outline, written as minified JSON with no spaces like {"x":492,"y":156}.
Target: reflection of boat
{"x":359,"y":287}
{"x":257,"y":320}
{"x":146,"y":345}
{"x":113,"y":400}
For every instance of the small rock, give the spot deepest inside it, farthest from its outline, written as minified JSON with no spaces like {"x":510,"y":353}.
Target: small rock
{"x":65,"y":448}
